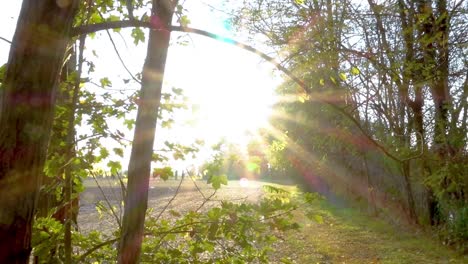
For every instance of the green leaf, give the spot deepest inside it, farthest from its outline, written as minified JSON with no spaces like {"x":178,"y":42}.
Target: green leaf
{"x":177,"y":91}
{"x":355,"y":71}
{"x":184,"y":21}
{"x":179,"y":9}
{"x":129,"y":123}
{"x":213,"y":230}
{"x":316,"y":217}
{"x":167,"y":123}
{"x":119,"y":152}
{"x":115,"y":167}
{"x":113,"y":18}
{"x":105,"y":82}
{"x":343,"y":76}
{"x":156,"y":157}
{"x":95,"y":18}
{"x":2,"y":72}
{"x":138,"y":35}
{"x":311,"y":198}
{"x":273,"y":189}
{"x":322,"y":82}
{"x":164,"y":173}
{"x":104,"y":153}
{"x":217,"y":180}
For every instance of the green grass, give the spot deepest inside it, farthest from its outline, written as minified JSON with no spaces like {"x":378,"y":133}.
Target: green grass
{"x":349,"y":236}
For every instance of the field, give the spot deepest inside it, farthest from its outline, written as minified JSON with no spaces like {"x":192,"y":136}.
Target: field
{"x":161,"y":192}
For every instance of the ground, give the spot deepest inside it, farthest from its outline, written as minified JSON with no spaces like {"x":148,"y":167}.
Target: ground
{"x":349,"y":236}
{"x":339,"y":235}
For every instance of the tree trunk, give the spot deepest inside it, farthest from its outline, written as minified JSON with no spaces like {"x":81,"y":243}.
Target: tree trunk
{"x":139,"y":168}
{"x":27,"y":102}
{"x":440,"y":88}
{"x":409,"y":191}
{"x":371,"y":202}
{"x":71,"y":211}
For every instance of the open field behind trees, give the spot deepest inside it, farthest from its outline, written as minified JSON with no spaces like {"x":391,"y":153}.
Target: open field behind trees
{"x":338,"y":235}
{"x":161,"y":192}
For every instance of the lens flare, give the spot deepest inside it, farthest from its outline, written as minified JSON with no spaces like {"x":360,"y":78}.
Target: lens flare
{"x":244,"y":182}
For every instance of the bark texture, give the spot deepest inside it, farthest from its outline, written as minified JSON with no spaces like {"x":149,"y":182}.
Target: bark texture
{"x":27,"y":101}
{"x":139,"y":168}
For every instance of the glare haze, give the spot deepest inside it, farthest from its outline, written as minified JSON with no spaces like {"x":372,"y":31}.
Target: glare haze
{"x":230,"y":91}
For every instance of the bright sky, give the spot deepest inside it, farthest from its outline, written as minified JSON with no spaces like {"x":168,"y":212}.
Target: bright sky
{"x":233,"y":90}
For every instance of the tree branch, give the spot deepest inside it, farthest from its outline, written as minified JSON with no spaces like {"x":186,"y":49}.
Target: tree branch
{"x":130,"y":12}
{"x":6,"y":40}
{"x":171,"y":200}
{"x":86,"y":29}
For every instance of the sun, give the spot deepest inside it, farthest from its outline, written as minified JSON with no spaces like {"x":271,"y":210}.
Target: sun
{"x":232,"y":90}
{"x":237,"y":109}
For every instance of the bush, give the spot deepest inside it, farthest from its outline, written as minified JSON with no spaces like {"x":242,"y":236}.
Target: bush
{"x":455,"y":230}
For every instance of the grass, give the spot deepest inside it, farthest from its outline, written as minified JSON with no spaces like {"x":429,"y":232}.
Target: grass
{"x":349,"y":236}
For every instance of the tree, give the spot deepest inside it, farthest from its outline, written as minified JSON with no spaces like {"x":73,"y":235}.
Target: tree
{"x":139,"y":168}
{"x":396,"y":68}
{"x":27,"y":104}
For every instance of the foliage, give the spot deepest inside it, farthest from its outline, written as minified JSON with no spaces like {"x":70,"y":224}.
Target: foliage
{"x":47,"y":240}
{"x":396,"y":81}
{"x":97,"y":142}
{"x":2,"y":73}
{"x":277,"y":154}
{"x":455,"y":230}
{"x":164,"y":173}
{"x":229,"y":232}
{"x":232,"y":161}
{"x":213,"y":171}
{"x":223,"y":234}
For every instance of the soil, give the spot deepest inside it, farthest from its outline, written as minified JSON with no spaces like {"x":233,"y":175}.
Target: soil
{"x":161,"y":192}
